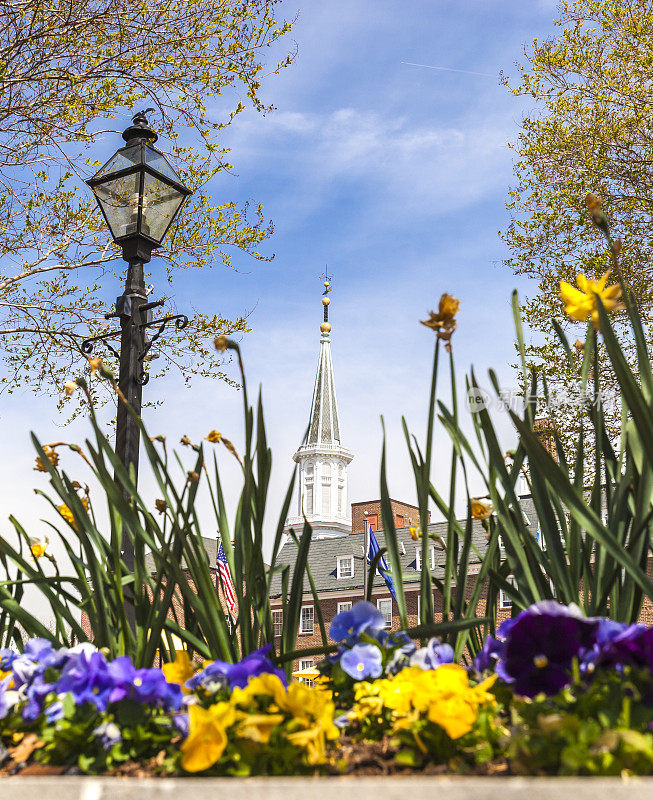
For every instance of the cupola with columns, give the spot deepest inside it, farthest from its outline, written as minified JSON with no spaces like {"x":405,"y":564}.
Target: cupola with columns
{"x":322,"y":496}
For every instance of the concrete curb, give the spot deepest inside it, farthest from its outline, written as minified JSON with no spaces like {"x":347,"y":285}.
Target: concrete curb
{"x":363,"y":788}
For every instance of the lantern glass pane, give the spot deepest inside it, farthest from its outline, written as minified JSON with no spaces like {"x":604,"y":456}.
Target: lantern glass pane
{"x":160,"y":204}
{"x":158,"y":162}
{"x":119,"y":201}
{"x":124,"y":158}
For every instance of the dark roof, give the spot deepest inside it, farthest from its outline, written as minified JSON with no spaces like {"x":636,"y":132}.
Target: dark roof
{"x":323,"y":554}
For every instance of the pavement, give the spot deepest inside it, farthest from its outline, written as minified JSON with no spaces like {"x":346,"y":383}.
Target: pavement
{"x":318,"y":788}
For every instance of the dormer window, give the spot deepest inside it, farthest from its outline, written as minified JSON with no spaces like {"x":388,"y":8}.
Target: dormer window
{"x":345,"y":568}
{"x":418,"y":557}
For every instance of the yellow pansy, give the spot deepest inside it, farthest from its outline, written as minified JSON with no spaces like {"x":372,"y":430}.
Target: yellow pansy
{"x":258,"y":727}
{"x":264,"y":684}
{"x":207,"y":736}
{"x":580,"y":303}
{"x":180,"y":670}
{"x":313,"y":741}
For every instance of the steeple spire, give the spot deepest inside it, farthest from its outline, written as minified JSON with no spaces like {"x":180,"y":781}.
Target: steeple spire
{"x":324,"y":426}
{"x":322,"y":460}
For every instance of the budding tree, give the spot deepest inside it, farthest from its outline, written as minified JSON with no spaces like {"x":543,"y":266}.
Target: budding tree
{"x":590,"y":132}
{"x":70,"y":72}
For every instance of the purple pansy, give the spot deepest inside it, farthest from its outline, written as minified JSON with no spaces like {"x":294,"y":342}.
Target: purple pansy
{"x":362,"y":661}
{"x":493,"y":650}
{"x":540,"y":646}
{"x":632,"y":646}
{"x":362,"y":617}
{"x":142,"y":685}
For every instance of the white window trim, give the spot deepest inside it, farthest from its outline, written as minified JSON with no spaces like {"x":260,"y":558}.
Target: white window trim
{"x":378,"y":605}
{"x":277,"y":611}
{"x":306,"y":663}
{"x":301,"y":620}
{"x":418,"y":557}
{"x":505,"y":602}
{"x":347,"y":603}
{"x":339,"y":561}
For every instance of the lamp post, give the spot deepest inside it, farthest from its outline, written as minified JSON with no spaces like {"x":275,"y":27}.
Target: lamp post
{"x":139,"y":194}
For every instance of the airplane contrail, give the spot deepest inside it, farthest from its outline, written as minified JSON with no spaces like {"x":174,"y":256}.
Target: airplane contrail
{"x":450,"y":69}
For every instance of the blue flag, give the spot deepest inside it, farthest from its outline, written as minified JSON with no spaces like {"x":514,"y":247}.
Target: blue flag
{"x":382,"y":566}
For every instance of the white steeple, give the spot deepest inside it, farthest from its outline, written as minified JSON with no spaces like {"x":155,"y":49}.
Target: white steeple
{"x":322,"y":493}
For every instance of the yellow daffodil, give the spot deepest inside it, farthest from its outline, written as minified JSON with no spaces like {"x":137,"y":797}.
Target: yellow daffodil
{"x":415,"y":532}
{"x":444,"y":321}
{"x":67,"y":514}
{"x":580,"y":303}
{"x":221,"y":343}
{"x":481,"y":507}
{"x":69,"y":387}
{"x":185,"y":441}
{"x":38,"y":545}
{"x":52,"y":456}
{"x":207,"y":736}
{"x":180,"y":670}
{"x":214,"y":437}
{"x":95,"y":364}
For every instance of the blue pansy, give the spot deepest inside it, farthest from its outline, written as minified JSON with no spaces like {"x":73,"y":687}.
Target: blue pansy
{"x":493,"y":649}
{"x":363,"y":616}
{"x":362,"y":661}
{"x":433,"y":655}
{"x":88,"y":679}
{"x":238,"y":674}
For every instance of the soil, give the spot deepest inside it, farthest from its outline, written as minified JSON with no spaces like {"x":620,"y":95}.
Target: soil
{"x":351,"y":758}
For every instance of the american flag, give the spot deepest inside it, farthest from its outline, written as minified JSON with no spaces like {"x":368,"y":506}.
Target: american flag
{"x":225,"y":580}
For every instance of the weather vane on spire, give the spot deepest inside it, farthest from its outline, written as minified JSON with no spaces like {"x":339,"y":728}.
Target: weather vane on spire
{"x":325,"y":327}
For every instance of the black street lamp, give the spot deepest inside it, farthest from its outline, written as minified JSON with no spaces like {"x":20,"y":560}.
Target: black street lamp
{"x":139,"y":194}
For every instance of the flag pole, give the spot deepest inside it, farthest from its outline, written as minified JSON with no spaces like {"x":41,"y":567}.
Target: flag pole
{"x":366,"y":549}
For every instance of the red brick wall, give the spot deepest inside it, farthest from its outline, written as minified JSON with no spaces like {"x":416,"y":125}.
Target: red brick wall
{"x":373,"y":507}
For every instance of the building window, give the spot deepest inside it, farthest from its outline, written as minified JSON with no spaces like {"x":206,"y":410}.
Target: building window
{"x":341,"y":494}
{"x":277,"y":622}
{"x":373,"y":520}
{"x":385,"y":607}
{"x":306,"y":663}
{"x":306,"y":621}
{"x":505,"y":602}
{"x":399,"y":521}
{"x":418,"y":557}
{"x":344,"y":606}
{"x":309,"y":500}
{"x":345,"y":567}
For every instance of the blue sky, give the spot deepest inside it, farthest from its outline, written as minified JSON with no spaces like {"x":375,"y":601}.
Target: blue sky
{"x":395,"y":176}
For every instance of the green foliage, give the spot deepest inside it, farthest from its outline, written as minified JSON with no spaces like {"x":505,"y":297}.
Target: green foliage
{"x":585,"y":134}
{"x":602,"y":728}
{"x":171,"y":564}
{"x":69,"y":72}
{"x":596,"y":537}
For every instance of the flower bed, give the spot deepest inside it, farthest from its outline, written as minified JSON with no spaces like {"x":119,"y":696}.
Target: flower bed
{"x":553,"y":693}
